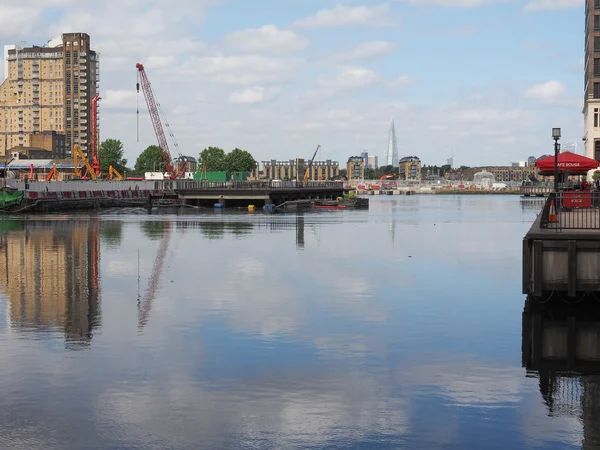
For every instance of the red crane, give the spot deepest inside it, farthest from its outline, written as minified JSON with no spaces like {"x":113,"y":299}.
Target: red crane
{"x":156,"y":113}
{"x":95,"y":158}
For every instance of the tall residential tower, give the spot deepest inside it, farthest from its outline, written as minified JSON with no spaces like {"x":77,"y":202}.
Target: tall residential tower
{"x":48,"y":88}
{"x":591,"y":100}
{"x":391,"y":158}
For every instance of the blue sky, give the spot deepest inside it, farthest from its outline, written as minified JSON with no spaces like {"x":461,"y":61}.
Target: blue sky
{"x":484,"y":80}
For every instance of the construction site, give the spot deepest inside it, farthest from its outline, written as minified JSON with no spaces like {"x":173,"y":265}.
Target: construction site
{"x":51,"y":149}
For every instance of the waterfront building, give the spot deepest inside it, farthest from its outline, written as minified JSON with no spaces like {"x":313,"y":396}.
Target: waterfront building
{"x":191,"y":163}
{"x":48,"y":88}
{"x":500,"y":173}
{"x":391,"y":158}
{"x":591,"y":99}
{"x":294,"y":169}
{"x":355,"y":168}
{"x":409,"y":168}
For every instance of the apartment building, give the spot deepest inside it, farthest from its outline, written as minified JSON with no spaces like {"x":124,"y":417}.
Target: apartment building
{"x":49,"y":88}
{"x":294,"y":169}
{"x":409,"y":168}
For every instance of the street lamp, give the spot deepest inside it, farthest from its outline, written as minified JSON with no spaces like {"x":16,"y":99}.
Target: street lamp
{"x":556,"y":137}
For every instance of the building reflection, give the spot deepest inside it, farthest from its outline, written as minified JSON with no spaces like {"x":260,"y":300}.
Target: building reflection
{"x":299,"y":231}
{"x":49,"y":274}
{"x":561,"y":347}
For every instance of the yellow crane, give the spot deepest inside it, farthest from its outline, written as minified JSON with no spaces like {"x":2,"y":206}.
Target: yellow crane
{"x":77,"y":153}
{"x":310,"y":163}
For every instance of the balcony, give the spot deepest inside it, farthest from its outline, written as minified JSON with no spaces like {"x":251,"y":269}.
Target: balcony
{"x":83,"y":128}
{"x":83,"y":121}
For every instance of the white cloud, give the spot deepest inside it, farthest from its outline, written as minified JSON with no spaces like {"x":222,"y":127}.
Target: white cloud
{"x":118,"y":99}
{"x":256,"y":94}
{"x":18,"y":20}
{"x":551,"y":5}
{"x":456,"y":3}
{"x":546,"y":92}
{"x":240,"y":69}
{"x":367,"y":50}
{"x":346,"y":15}
{"x":352,"y":78}
{"x":403,"y":80}
{"x":268,"y":39}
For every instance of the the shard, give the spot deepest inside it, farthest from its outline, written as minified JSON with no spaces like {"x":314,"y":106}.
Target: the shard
{"x":391,"y":158}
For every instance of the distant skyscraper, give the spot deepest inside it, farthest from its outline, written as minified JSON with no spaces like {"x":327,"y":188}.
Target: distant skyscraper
{"x":391,"y":158}
{"x":365,"y":156}
{"x":450,"y":162}
{"x":373,"y":162}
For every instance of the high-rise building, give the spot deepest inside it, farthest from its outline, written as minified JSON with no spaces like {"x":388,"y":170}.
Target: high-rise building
{"x":391,"y":158}
{"x":372,"y":162}
{"x":365,"y":156}
{"x":591,"y":99}
{"x":48,"y":88}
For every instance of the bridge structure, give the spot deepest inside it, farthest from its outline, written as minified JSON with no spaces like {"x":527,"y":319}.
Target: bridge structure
{"x":45,"y":196}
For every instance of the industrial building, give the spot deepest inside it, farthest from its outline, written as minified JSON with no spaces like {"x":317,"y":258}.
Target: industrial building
{"x":294,"y":169}
{"x":409,"y":168}
{"x":48,"y":88}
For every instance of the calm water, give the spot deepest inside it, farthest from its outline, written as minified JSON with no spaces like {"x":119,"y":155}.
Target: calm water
{"x":397,"y":327}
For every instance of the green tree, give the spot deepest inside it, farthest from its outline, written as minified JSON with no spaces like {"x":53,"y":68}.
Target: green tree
{"x":214,"y":158}
{"x":238,"y":160}
{"x":150,"y":160}
{"x":111,"y":154}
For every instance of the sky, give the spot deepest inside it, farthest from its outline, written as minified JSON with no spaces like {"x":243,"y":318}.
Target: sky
{"x":483,"y":80}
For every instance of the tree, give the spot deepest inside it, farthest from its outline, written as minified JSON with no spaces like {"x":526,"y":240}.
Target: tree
{"x":214,"y":158}
{"x":150,"y":160}
{"x":111,"y":154}
{"x":238,"y":160}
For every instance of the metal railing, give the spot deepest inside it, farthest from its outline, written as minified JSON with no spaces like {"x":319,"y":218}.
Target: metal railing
{"x":572,"y":210}
{"x":192,"y":185}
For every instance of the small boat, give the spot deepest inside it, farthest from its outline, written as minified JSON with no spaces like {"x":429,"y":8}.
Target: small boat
{"x":317,"y":206}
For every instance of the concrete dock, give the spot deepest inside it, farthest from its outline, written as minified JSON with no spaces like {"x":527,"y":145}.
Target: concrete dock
{"x":561,"y":251}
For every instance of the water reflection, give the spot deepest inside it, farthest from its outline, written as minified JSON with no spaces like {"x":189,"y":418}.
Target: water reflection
{"x":561,"y":347}
{"x":49,"y":273}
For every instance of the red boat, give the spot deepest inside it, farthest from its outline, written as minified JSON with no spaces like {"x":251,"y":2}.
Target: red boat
{"x":329,"y":206}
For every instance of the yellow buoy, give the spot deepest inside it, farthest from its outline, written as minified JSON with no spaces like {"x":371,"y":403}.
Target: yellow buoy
{"x":251,"y":208}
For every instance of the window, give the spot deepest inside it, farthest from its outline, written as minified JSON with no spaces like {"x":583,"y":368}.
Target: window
{"x":596,"y":22}
{"x":597,"y":150}
{"x":596,"y":90}
{"x":596,"y":44}
{"x":596,"y":4}
{"x":595,"y":117}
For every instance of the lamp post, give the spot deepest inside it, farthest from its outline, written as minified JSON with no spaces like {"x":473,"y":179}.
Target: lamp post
{"x":556,"y":137}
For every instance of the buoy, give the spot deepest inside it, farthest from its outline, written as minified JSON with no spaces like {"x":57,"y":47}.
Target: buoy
{"x":552,"y":213}
{"x":251,"y":208}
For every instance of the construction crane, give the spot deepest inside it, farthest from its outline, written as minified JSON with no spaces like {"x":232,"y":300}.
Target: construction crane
{"x":95,"y":158}
{"x":156,"y":113}
{"x":77,"y":153}
{"x":310,"y":163}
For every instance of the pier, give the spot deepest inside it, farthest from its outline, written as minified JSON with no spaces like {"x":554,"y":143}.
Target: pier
{"x":21,"y":196}
{"x":561,"y":251}
{"x":535,"y":191}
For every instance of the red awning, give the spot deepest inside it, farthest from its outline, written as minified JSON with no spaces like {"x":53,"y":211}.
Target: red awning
{"x":574,"y":163}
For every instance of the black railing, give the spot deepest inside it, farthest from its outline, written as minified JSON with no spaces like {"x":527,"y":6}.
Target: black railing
{"x":572,"y":210}
{"x":192,"y":185}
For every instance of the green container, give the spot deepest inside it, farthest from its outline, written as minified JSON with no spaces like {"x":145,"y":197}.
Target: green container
{"x":240,"y":176}
{"x":211,"y":176}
